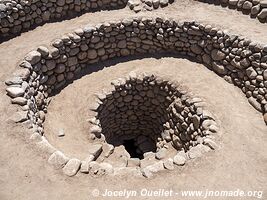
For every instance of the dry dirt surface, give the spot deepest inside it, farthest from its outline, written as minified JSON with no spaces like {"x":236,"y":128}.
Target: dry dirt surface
{"x":239,"y":163}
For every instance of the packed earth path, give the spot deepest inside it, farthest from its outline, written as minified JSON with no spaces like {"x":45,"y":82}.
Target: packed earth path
{"x":240,"y":162}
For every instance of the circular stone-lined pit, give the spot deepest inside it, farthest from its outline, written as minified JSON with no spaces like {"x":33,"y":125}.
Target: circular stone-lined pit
{"x":147,"y":124}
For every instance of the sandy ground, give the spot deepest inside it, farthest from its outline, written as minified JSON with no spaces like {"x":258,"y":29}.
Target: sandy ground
{"x":240,"y":163}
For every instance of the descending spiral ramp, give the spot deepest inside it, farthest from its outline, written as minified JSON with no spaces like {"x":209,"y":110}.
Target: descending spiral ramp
{"x":100,"y":92}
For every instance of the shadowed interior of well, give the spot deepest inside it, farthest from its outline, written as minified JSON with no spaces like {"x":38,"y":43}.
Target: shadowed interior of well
{"x":136,"y":113}
{"x":144,"y":113}
{"x":131,"y":148}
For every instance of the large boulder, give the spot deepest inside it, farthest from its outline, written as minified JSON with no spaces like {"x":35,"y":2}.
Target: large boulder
{"x":179,"y":158}
{"x":255,"y":103}
{"x":220,"y":69}
{"x":251,"y":73}
{"x":72,"y":167}
{"x":58,"y":160}
{"x":217,"y":55}
{"x":247,"y":5}
{"x":263,"y":14}
{"x":33,"y":57}
{"x":19,"y":100}
{"x":15,"y":91}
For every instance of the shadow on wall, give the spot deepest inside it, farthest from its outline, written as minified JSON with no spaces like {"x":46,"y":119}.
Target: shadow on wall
{"x":29,"y":16}
{"x":108,"y":63}
{"x":236,"y":59}
{"x":256,"y":9}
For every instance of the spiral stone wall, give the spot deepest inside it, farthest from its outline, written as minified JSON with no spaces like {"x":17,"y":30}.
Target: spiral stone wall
{"x":255,"y":8}
{"x":17,"y":16}
{"x":158,"y":116}
{"x":43,"y":71}
{"x":152,"y":106}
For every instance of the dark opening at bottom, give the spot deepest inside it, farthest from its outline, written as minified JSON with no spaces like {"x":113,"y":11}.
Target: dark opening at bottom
{"x":132,"y":149}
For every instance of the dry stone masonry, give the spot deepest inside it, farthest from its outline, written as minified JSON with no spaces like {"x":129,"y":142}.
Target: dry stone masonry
{"x":48,"y":69}
{"x":157,"y":121}
{"x":254,"y":8}
{"x":147,"y":5}
{"x":17,"y":16}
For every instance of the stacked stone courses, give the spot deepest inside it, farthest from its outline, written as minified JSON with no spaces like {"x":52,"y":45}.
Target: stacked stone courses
{"x":48,"y":69}
{"x":255,"y":8}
